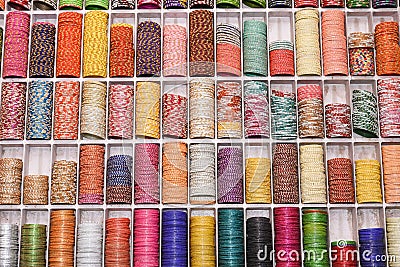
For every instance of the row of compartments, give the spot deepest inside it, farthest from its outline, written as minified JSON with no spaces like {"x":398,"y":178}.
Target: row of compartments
{"x":280,"y":23}
{"x":38,"y":160}
{"x":343,"y":223}
{"x":44,"y":6}
{"x":334,"y":91}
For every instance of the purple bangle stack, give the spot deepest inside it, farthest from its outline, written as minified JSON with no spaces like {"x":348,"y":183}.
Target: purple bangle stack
{"x":148,"y":58}
{"x":230,"y":175}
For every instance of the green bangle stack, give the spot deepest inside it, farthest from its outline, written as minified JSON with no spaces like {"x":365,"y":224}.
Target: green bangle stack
{"x":96,"y":4}
{"x":33,"y":245}
{"x":228,"y":3}
{"x":71,"y":4}
{"x":255,"y":48}
{"x":365,"y":114}
{"x":358,"y":4}
{"x":255,"y":3}
{"x":315,"y":236}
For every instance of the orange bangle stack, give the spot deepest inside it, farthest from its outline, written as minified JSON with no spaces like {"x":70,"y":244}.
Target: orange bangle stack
{"x":122,"y":53}
{"x":175,"y":173}
{"x":91,"y":174}
{"x":69,"y":45}
{"x":66,"y":110}
{"x":387,"y":48}
{"x":391,"y":172}
{"x":62,"y":238}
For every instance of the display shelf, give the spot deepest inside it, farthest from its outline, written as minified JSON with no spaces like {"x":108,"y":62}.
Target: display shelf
{"x":344,"y":219}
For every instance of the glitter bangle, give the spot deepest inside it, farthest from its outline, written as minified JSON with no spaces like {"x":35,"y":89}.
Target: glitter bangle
{"x":61,"y":238}
{"x":36,"y":190}
{"x":69,"y":41}
{"x":13,"y":103}
{"x":202,"y":241}
{"x":147,"y":187}
{"x":117,"y":243}
{"x":95,"y":44}
{"x":39,"y":112}
{"x":228,"y":50}
{"x":174,"y":173}
{"x":149,"y":4}
{"x":174,"y":50}
{"x":258,"y":180}
{"x":63,"y":182}
{"x":229,"y":110}
{"x":201,"y":108}
{"x":33,"y":244}
{"x":281,"y":58}
{"x":91,"y":174}
{"x":230,"y":175}
{"x":255,"y":48}
{"x":15,"y":61}
{"x":122,"y":4}
{"x":365,"y":114}
{"x":310,"y":111}
{"x":256,"y":110}
{"x":201,"y":43}
{"x":285,"y":174}
{"x":202,"y":176}
{"x":338,"y":120}
{"x":368,"y":181}
{"x":122,"y":53}
{"x":71,"y":4}
{"x":388,"y":90}
{"x":93,"y":110}
{"x":174,"y":244}
{"x":9,"y":244}
{"x":146,"y":236}
{"x":230,"y":237}
{"x":390,"y":173}
{"x":147,"y":114}
{"x":334,"y":48}
{"x":66,"y":110}
{"x":387,"y":47}
{"x":10,"y":181}
{"x":175,"y":4}
{"x":341,"y":184}
{"x":42,"y":50}
{"x":120,"y":111}
{"x":119,"y":179}
{"x":308,"y":59}
{"x":89,"y":243}
{"x":283,"y":115}
{"x":148,"y":49}
{"x":358,"y":3}
{"x":96,"y":4}
{"x":174,"y":117}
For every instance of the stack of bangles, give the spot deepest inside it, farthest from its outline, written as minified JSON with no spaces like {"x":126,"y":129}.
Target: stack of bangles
{"x":361,"y":54}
